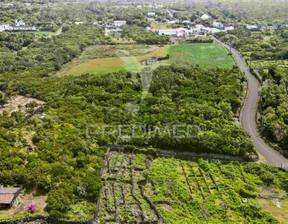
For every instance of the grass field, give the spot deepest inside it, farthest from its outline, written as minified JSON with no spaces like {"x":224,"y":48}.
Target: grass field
{"x":126,"y":59}
{"x":104,"y":59}
{"x":206,"y":55}
{"x":40,"y":33}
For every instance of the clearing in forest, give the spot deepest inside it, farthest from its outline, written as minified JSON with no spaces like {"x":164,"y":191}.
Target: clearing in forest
{"x":204,"y":54}
{"x":109,"y":58}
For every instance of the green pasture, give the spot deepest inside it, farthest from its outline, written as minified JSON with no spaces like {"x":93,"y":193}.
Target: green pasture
{"x":204,"y":54}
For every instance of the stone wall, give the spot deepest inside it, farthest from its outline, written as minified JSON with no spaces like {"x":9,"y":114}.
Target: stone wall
{"x":47,"y":219}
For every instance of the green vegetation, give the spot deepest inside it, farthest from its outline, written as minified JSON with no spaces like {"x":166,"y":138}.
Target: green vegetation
{"x":114,"y":58}
{"x":142,"y":36}
{"x":130,"y":57}
{"x":60,"y":157}
{"x":84,"y":76}
{"x":44,"y":33}
{"x":45,"y":18}
{"x":186,"y":192}
{"x":205,"y":55}
{"x":65,"y":164}
{"x":262,"y":64}
{"x":266,"y":53}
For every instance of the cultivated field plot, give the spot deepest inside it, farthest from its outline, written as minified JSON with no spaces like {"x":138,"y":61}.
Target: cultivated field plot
{"x":105,"y":59}
{"x":121,"y":199}
{"x":167,"y":190}
{"x":206,"y":55}
{"x":265,"y":64}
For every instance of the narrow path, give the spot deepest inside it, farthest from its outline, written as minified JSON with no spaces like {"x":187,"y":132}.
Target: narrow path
{"x":248,"y":114}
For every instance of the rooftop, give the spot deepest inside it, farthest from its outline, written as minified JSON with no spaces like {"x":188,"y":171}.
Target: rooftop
{"x":6,"y":198}
{"x":9,"y":190}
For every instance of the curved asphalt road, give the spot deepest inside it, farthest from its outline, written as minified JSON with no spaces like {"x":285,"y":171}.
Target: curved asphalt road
{"x":248,"y":114}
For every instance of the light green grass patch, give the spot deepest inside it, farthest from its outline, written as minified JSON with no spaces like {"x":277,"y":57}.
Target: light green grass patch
{"x":105,"y":59}
{"x":40,"y":33}
{"x":206,"y":55}
{"x":156,"y":25}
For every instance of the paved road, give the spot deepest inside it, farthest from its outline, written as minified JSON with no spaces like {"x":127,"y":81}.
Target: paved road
{"x":248,"y":114}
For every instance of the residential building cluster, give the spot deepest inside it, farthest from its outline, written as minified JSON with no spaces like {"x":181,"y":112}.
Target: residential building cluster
{"x":19,"y":26}
{"x":193,"y":30}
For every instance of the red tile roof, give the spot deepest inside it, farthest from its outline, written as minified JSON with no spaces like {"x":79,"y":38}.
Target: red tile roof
{"x":6,"y":198}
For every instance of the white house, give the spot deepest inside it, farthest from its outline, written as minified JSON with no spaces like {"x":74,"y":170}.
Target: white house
{"x":229,"y":28}
{"x":171,"y":32}
{"x":205,"y":17}
{"x":209,"y":30}
{"x":19,"y":23}
{"x":119,"y":23}
{"x":4,"y":27}
{"x":194,"y":30}
{"x":252,"y":27}
{"x":8,"y":5}
{"x":186,"y":22}
{"x":21,"y":28}
{"x":218,"y":25}
{"x":199,"y":27}
{"x":151,"y":14}
{"x":171,"y":22}
{"x":79,"y":23}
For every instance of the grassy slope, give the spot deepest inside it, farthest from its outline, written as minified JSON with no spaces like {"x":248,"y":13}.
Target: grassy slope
{"x":112,"y":64}
{"x":280,"y":213}
{"x":206,"y":55}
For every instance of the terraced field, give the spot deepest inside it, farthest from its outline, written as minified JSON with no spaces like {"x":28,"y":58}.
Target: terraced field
{"x":122,"y":199}
{"x":265,"y":64}
{"x":139,"y":189}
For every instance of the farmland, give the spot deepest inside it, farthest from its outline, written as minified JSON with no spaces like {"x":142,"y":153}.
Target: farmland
{"x":266,"y":64}
{"x":140,"y":189}
{"x":104,"y":59}
{"x":206,"y":55}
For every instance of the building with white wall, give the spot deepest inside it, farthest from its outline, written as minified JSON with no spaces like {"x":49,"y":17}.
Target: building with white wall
{"x":119,"y":23}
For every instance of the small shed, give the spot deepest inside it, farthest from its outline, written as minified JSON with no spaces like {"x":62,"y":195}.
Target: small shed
{"x":150,"y":61}
{"x":8,"y":196}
